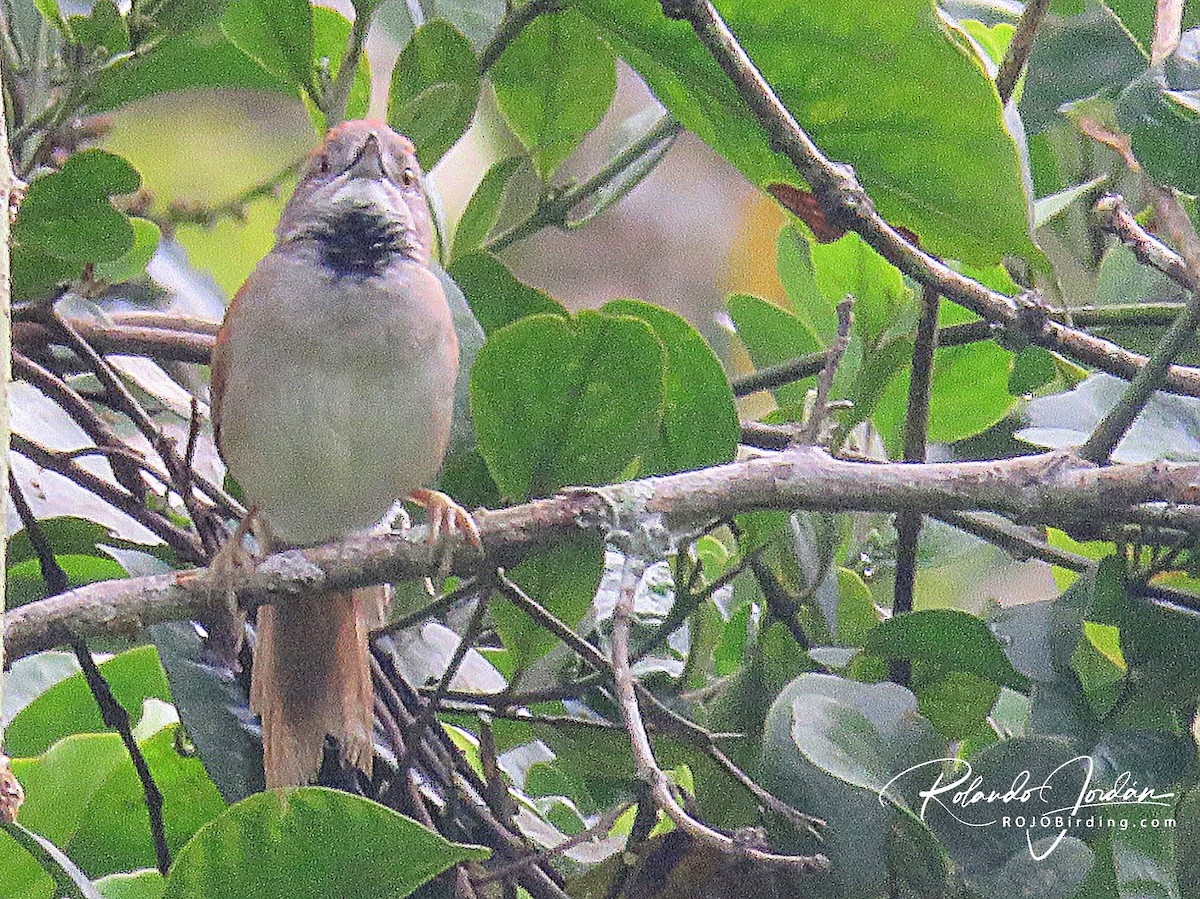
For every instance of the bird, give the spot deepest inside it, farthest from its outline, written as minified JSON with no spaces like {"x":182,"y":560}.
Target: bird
{"x":333,"y":380}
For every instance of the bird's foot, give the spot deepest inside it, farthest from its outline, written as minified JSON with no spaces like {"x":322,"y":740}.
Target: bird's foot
{"x":229,"y":568}
{"x":446,"y":517}
{"x":449,"y":520}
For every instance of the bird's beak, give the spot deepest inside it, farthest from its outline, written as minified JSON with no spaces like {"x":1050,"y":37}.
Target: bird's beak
{"x":369,"y":161}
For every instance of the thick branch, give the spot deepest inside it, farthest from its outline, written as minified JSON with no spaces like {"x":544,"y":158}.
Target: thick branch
{"x":1055,"y":489}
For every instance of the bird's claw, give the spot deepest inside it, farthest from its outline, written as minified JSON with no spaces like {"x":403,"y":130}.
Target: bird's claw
{"x":446,"y":517}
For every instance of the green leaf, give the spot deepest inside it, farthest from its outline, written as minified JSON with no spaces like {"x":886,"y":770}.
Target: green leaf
{"x":276,"y":34}
{"x":554,"y":83}
{"x":949,"y":638}
{"x":313,"y":842}
{"x":831,"y":746}
{"x":35,"y":274}
{"x":563,"y":579}
{"x":68,"y":879}
{"x":483,"y":209}
{"x":566,"y":401}
{"x":144,"y":884}
{"x":199,"y":58}
{"x":700,"y":423}
{"x":435,"y":89}
{"x":497,"y":298}
{"x":26,"y":584}
{"x":1048,"y":208}
{"x":179,"y":16}
{"x":968,"y":395}
{"x":1160,"y":113}
{"x":146,"y":236}
{"x":68,"y":214}
{"x":948,"y":171}
{"x":773,"y":335}
{"x":793,"y":261}
{"x":331,"y":31}
{"x":850,"y":267}
{"x":85,"y":795}
{"x":103,"y":31}
{"x":998,"y":861}
{"x":52,"y":14}
{"x":213,"y":705}
{"x":69,"y":707}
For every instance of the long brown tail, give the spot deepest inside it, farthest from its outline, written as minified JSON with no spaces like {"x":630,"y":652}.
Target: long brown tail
{"x":311,"y":677}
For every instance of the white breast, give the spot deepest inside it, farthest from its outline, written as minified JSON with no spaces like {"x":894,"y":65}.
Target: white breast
{"x":338,"y":395}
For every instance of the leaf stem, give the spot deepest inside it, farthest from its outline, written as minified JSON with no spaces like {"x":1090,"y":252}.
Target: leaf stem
{"x":554,"y":207}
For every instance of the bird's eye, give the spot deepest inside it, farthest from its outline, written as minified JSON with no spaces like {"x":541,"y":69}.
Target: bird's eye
{"x":408,"y":177}
{"x":323,"y":163}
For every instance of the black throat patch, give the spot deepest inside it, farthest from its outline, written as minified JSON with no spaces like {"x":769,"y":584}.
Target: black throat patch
{"x":359,"y":243}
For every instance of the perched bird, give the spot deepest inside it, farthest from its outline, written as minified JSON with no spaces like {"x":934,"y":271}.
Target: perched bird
{"x":332,"y":394}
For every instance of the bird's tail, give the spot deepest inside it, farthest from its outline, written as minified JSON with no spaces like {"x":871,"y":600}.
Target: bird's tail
{"x":312,"y":677}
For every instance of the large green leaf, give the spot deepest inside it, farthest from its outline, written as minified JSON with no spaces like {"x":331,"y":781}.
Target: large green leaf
{"x":890,"y":88}
{"x":771,"y":336}
{"x":69,"y":707}
{"x":277,"y":34}
{"x":68,"y":214}
{"x":700,"y":423}
{"x":84,"y":794}
{"x":554,"y":83}
{"x":832,"y":747}
{"x":969,"y":393}
{"x":998,"y":860}
{"x":497,"y":298}
{"x":560,"y":401}
{"x":435,"y":89}
{"x":311,"y":842}
{"x":949,"y":638}
{"x":200,"y":58}
{"x":213,"y":707}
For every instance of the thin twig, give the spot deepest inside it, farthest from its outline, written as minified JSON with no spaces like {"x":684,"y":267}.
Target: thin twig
{"x":1168,"y":23}
{"x":554,"y":209}
{"x":599,"y":830}
{"x":916,"y":433}
{"x":186,"y":545}
{"x":661,"y":788}
{"x":1109,"y":432}
{"x":112,"y":713}
{"x":470,"y":635}
{"x":511,"y":25}
{"x":1019,"y":48}
{"x":833,"y":358}
{"x":1015,"y":540}
{"x":1133,"y":315}
{"x":125,"y":470}
{"x":182,"y":477}
{"x":1114,"y":216}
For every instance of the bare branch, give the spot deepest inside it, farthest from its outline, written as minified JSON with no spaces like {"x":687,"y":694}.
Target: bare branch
{"x":1019,"y":47}
{"x":661,"y":788}
{"x":1056,"y":489}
